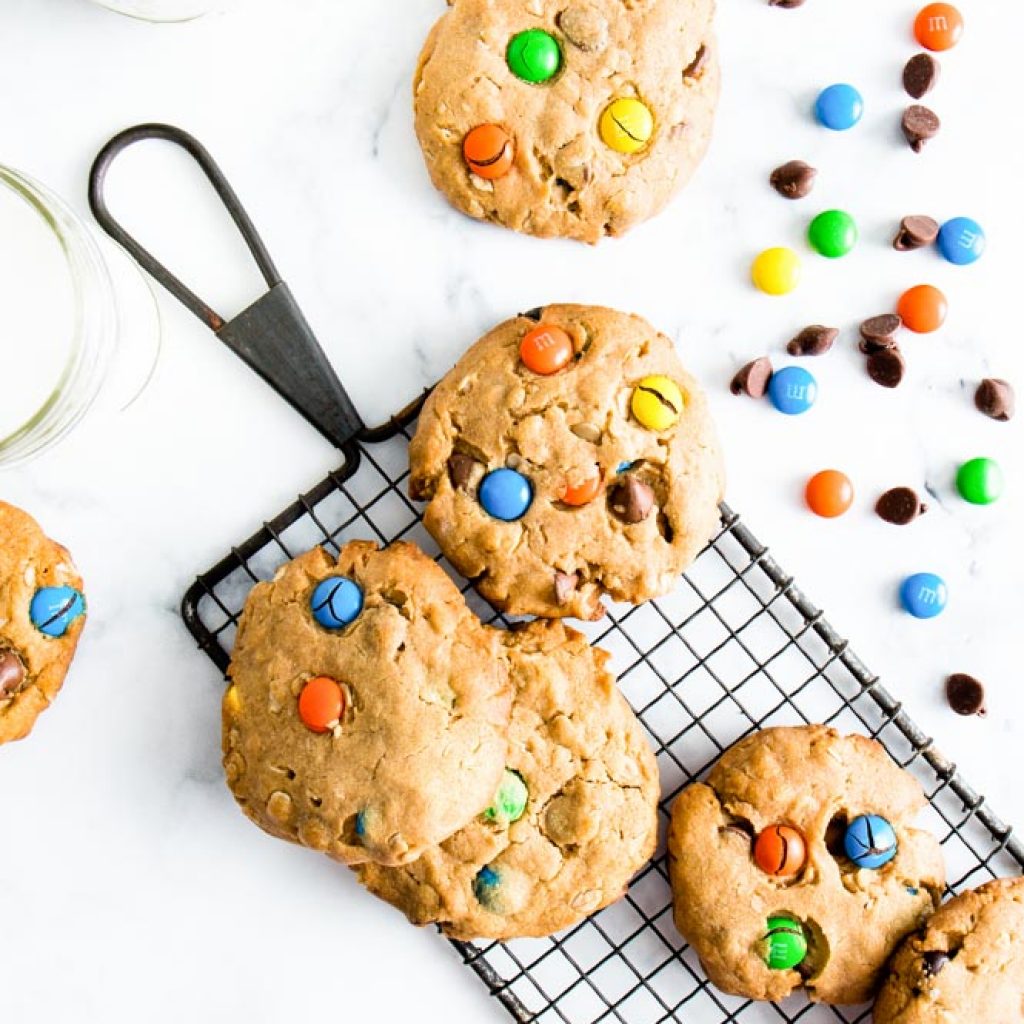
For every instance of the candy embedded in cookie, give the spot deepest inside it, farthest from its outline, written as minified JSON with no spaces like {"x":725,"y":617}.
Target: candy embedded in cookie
{"x":870,"y":841}
{"x":336,"y":602}
{"x":784,"y":945}
{"x":489,"y":151}
{"x":780,"y":850}
{"x":54,"y":609}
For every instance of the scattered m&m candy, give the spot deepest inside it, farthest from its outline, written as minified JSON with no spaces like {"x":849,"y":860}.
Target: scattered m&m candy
{"x":870,"y":841}
{"x":626,"y":125}
{"x":546,"y":350}
{"x":657,"y":402}
{"x":829,"y":493}
{"x":784,"y":945}
{"x":980,"y":481}
{"x":961,"y":241}
{"x":54,"y":609}
{"x":489,"y":151}
{"x":505,"y":494}
{"x":924,"y":595}
{"x":534,"y":56}
{"x":776,"y":271}
{"x":792,"y":390}
{"x":321,"y":704}
{"x":510,"y":801}
{"x":336,"y":602}
{"x":922,"y":308}
{"x":938,"y":26}
{"x":780,"y":851}
{"x":839,"y":107}
{"x":833,"y":233}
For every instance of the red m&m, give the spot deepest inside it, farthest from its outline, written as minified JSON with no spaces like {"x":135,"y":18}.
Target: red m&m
{"x":546,"y":350}
{"x":321,"y":704}
{"x":780,"y":851}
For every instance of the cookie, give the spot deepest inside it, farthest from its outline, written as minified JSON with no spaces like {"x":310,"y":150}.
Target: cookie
{"x":42,"y":613}
{"x":368,"y":710}
{"x":966,"y":964}
{"x":572,"y":119}
{"x":766,"y":918}
{"x":595,"y":472}
{"x":574,"y":819}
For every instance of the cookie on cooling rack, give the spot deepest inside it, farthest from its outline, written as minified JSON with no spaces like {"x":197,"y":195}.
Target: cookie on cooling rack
{"x":568,"y":455}
{"x":576,"y":119}
{"x":575,"y":816}
{"x":796,"y":864}
{"x":42,"y":612}
{"x":368,"y":710}
{"x":966,"y":964}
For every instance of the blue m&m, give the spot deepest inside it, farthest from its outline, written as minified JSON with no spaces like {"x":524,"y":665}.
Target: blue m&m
{"x":870,"y":841}
{"x":505,"y":494}
{"x":793,"y":390}
{"x":54,"y":609}
{"x":336,"y":602}
{"x":485,"y":886}
{"x":961,"y":241}
{"x":839,"y":107}
{"x":924,"y":595}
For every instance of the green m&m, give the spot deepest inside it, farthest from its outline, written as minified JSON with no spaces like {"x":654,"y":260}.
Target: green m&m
{"x":534,"y":56}
{"x":980,"y":481}
{"x":510,"y":800}
{"x":784,"y":946}
{"x":833,"y":233}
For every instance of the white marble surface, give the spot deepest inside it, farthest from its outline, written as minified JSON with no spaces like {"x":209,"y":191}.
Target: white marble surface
{"x":134,"y":889}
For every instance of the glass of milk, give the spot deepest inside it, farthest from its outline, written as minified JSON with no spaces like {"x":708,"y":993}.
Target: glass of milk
{"x":161,"y":10}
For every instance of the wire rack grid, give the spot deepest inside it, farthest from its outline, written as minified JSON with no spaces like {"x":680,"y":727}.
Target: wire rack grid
{"x":735,"y":648}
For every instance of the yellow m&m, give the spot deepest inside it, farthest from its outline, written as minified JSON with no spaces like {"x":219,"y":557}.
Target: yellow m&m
{"x":657,"y":402}
{"x":626,"y":125}
{"x":776,"y":271}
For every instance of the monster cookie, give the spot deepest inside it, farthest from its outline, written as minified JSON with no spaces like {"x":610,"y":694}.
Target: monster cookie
{"x":575,"y":119}
{"x":574,"y":818}
{"x":42,"y":612}
{"x":966,"y":964}
{"x":796,"y":864}
{"x":368,"y":707}
{"x":568,"y":455}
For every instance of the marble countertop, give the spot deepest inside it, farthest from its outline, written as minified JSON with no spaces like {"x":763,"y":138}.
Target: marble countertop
{"x":134,"y":888}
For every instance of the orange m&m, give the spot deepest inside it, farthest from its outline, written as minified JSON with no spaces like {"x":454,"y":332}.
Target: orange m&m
{"x":938,"y":26}
{"x":546,"y":350}
{"x":922,"y":308}
{"x":780,"y":851}
{"x":582,"y":493}
{"x":489,"y":151}
{"x":321,"y":704}
{"x":829,"y":493}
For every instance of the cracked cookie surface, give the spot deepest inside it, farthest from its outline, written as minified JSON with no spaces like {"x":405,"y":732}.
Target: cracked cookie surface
{"x":419,"y":746}
{"x":657,"y":491}
{"x":32,"y":664}
{"x":817,"y":781}
{"x":586,"y":820}
{"x":966,"y":964}
{"x":563,"y":178}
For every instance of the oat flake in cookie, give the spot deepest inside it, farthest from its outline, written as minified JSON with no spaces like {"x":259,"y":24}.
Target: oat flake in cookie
{"x":42,"y":613}
{"x":574,"y":820}
{"x":367,"y":729}
{"x":550,"y":489}
{"x":597,"y":111}
{"x":868,"y":879}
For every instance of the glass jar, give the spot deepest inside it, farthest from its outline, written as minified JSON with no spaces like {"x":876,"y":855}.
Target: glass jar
{"x":160,"y":10}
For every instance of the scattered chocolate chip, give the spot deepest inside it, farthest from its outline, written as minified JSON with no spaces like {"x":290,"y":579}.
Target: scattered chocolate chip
{"x":462,"y":469}
{"x":753,"y":379}
{"x":996,"y":399}
{"x":920,"y":74}
{"x":12,"y":674}
{"x":533,"y":314}
{"x":879,"y":332}
{"x":965,"y":694}
{"x":933,"y":962}
{"x":631,"y":500}
{"x":786,"y":4}
{"x":565,"y":586}
{"x":695,"y":72}
{"x":886,"y":367}
{"x":919,"y":126}
{"x":900,"y":506}
{"x":915,"y":232}
{"x":813,"y":341}
{"x":793,"y":180}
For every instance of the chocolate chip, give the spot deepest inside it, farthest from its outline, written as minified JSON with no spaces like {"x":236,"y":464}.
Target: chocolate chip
{"x":900,"y":506}
{"x":462,"y":469}
{"x":879,"y":332}
{"x":753,"y":379}
{"x":919,"y":126}
{"x":695,"y":72}
{"x":813,"y":341}
{"x":995,"y":398}
{"x":933,"y":962}
{"x":793,"y":180}
{"x":915,"y":232}
{"x":12,"y":674}
{"x":631,"y":500}
{"x":965,"y":694}
{"x":787,"y":5}
{"x":886,"y":367}
{"x":533,"y":314}
{"x":920,"y":74}
{"x":565,"y":586}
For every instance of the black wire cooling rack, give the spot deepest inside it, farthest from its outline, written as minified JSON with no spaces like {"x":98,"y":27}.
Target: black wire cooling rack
{"x":735,"y":648}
